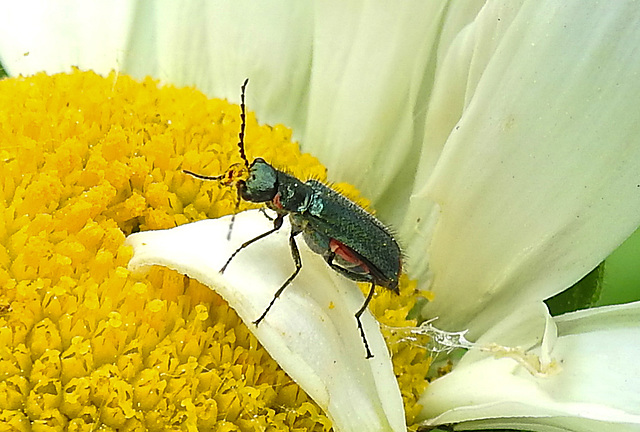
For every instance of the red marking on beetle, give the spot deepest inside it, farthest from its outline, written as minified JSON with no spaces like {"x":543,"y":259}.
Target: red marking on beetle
{"x":276,"y":201}
{"x":347,"y":254}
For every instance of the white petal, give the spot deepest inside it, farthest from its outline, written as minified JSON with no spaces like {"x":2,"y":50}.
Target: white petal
{"x":369,"y":64}
{"x":538,"y":179}
{"x":310,"y":331}
{"x":596,"y":388}
{"x":216,"y":45}
{"x":53,"y":36}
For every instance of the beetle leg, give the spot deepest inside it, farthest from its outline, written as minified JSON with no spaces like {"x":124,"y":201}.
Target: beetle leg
{"x":360,"y":312}
{"x":361,"y":278}
{"x":295,"y":253}
{"x":277,"y":224}
{"x":349,"y":274}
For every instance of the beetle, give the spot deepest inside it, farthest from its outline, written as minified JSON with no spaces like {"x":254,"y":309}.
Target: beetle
{"x":352,"y":241}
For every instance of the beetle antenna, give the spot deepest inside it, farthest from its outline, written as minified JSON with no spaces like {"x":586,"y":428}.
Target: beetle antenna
{"x":243,"y":124}
{"x":203,"y":177}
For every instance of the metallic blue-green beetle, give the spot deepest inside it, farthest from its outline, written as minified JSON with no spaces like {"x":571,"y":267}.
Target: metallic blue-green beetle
{"x":353,"y":242}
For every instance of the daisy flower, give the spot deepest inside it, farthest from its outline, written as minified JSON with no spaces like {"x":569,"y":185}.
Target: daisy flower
{"x":498,"y":138}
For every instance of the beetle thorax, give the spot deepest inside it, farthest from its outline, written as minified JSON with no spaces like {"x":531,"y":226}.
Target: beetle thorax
{"x":293,"y":195}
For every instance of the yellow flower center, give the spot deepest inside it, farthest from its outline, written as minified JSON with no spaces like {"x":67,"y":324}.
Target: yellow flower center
{"x":86,"y":345}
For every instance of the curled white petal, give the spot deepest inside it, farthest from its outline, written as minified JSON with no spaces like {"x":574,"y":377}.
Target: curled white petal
{"x":593,"y":388}
{"x":310,"y":330}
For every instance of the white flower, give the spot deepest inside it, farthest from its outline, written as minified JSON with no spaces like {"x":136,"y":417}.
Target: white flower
{"x":500,"y":139}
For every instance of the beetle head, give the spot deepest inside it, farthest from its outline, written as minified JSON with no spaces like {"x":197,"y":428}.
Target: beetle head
{"x":262,"y":183}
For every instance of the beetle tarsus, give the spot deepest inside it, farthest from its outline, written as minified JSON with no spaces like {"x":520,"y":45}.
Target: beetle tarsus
{"x":359,"y":313}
